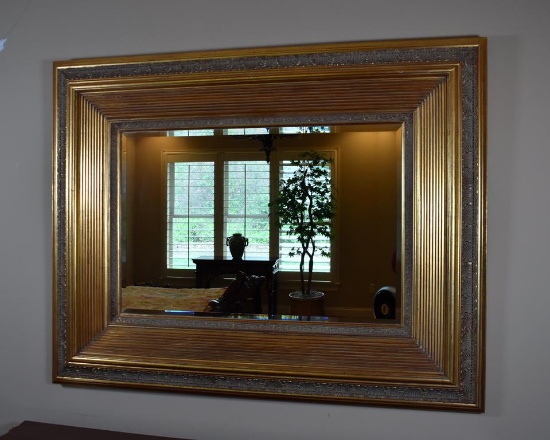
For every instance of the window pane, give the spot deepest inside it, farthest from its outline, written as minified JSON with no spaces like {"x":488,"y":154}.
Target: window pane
{"x":190,"y":212}
{"x":251,"y":130}
{"x":315,"y":129}
{"x":286,"y":242}
{"x":246,"y":199}
{"x":196,"y":132}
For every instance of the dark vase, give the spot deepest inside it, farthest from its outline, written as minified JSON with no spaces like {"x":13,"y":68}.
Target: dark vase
{"x":236,"y":244}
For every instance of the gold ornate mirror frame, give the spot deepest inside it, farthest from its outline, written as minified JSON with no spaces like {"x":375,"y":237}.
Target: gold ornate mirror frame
{"x":434,"y":356}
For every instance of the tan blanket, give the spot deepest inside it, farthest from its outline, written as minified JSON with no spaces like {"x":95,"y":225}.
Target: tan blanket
{"x":159,"y":298}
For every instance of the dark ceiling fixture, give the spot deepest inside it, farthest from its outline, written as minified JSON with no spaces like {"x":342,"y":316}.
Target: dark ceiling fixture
{"x":267,"y":141}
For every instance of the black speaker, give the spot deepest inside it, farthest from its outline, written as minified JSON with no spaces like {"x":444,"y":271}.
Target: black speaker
{"x":384,"y":303}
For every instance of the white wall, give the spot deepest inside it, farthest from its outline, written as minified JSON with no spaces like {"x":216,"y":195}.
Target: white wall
{"x":518,"y":357}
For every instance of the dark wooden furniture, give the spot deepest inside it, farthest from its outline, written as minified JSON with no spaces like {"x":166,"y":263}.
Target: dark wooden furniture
{"x":46,"y":431}
{"x":207,"y":267}
{"x":243,"y":296}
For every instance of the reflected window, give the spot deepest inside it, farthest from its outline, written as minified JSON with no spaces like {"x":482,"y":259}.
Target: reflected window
{"x":248,"y":131}
{"x":242,"y":131}
{"x":314,"y":129}
{"x":190,"y":212}
{"x":213,"y":198}
{"x":246,"y":199}
{"x":197,"y":132}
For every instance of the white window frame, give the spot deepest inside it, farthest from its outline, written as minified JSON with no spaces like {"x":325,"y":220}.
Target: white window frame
{"x":180,"y":157}
{"x":220,"y":157}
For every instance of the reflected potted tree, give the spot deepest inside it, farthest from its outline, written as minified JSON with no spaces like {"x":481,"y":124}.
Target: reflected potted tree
{"x":304,"y":209}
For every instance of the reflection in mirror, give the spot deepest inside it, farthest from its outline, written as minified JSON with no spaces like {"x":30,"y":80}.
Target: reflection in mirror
{"x":185,"y":192}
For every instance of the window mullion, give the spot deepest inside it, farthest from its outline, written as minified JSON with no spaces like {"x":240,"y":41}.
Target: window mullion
{"x":219,"y":210}
{"x":170,"y":197}
{"x":274,"y":190}
{"x":245,"y":232}
{"x":188,"y":216}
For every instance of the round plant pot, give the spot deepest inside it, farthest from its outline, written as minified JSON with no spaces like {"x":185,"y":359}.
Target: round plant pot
{"x":310,"y":305}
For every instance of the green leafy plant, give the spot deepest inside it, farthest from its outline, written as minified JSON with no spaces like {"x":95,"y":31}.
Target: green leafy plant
{"x":304,"y":209}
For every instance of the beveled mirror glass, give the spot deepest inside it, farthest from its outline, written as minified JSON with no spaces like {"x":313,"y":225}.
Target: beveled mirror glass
{"x":169,"y":217}
{"x":429,"y":93}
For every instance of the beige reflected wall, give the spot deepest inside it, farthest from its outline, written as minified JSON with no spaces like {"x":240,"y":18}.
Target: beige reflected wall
{"x":368,"y":198}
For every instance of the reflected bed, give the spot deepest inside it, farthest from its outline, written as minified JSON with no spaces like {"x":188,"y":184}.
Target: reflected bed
{"x":162,"y":298}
